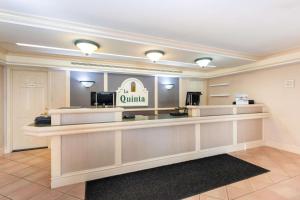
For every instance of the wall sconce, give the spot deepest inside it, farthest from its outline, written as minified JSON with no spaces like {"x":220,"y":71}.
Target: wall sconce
{"x":87,"y":84}
{"x":169,"y":86}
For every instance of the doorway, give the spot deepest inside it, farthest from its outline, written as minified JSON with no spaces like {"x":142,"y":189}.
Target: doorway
{"x":29,"y":99}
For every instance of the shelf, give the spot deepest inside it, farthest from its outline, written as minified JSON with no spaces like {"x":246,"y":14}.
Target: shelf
{"x":219,"y":95}
{"x":219,"y":84}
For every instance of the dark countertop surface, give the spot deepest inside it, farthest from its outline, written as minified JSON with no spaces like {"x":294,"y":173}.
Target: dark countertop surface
{"x":137,"y":118}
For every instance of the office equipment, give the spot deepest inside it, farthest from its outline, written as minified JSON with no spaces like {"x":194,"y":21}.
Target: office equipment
{"x":180,"y":112}
{"x":250,"y":101}
{"x":106,"y":98}
{"x":193,"y":98}
{"x":42,"y":120}
{"x":128,"y":116}
{"x":103,"y":98}
{"x":241,"y":99}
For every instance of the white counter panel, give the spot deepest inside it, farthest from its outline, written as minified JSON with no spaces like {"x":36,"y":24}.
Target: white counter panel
{"x":88,"y":118}
{"x":215,"y":111}
{"x":216,"y":134}
{"x":141,"y":144}
{"x":87,"y":151}
{"x":249,"y":110}
{"x":249,"y":130}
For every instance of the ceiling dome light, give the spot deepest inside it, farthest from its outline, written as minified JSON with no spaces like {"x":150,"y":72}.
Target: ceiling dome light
{"x":203,"y":62}
{"x":87,"y":46}
{"x":154,"y":55}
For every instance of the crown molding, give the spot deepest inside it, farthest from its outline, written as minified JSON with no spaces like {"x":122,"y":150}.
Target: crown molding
{"x":272,"y":61}
{"x":96,"y":31}
{"x":70,"y":63}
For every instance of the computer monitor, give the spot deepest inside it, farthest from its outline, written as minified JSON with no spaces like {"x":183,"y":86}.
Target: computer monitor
{"x":103,"y":98}
{"x":193,"y":98}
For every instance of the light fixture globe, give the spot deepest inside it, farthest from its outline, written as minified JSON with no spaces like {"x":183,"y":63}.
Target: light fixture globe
{"x":87,"y":46}
{"x":203,"y":62}
{"x":154,"y":55}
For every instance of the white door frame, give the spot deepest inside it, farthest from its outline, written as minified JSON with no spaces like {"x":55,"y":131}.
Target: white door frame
{"x":7,"y":110}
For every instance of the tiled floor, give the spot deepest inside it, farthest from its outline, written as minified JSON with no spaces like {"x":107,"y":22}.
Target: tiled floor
{"x":282,"y":183}
{"x":26,"y":175}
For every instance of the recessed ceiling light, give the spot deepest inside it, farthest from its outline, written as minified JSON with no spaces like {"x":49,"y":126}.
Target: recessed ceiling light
{"x":154,"y":55}
{"x":203,"y":62}
{"x":87,"y":46}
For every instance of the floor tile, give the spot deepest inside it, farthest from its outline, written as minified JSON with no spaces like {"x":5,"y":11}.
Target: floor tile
{"x":4,"y":198}
{"x":205,"y":197}
{"x":40,"y":177}
{"x":7,"y":165}
{"x":26,"y":159}
{"x":12,"y":187}
{"x":6,"y":179}
{"x":219,"y":193}
{"x":67,"y":197}
{"x":25,"y":172}
{"x":47,"y":194}
{"x":261,"y":181}
{"x":239,"y":189}
{"x":196,"y":197}
{"x":78,"y":190}
{"x":14,"y":169}
{"x":26,"y":192}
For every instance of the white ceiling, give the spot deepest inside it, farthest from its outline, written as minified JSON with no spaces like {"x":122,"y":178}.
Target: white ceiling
{"x":253,"y":28}
{"x":10,"y":34}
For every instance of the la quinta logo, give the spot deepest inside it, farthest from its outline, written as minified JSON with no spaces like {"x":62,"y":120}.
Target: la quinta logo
{"x":132,"y":93}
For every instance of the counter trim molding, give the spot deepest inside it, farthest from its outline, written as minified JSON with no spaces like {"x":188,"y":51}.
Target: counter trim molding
{"x":113,"y":126}
{"x":85,"y":110}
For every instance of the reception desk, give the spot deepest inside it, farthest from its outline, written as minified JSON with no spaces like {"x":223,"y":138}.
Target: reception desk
{"x":84,"y":150}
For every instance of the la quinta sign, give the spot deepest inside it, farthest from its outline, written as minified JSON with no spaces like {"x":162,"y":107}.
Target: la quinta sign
{"x":132,"y":93}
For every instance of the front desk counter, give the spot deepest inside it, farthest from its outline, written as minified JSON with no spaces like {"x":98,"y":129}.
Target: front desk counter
{"x":93,"y":143}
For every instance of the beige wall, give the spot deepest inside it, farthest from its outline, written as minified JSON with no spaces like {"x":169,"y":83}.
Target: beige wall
{"x":59,"y":89}
{"x":193,"y":85}
{"x":1,"y":106}
{"x":267,"y":86}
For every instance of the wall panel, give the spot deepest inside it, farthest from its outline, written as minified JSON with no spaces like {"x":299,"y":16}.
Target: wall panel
{"x":216,"y":134}
{"x":79,"y":95}
{"x":249,"y":130}
{"x":149,"y":143}
{"x":87,"y":151}
{"x":168,"y":98}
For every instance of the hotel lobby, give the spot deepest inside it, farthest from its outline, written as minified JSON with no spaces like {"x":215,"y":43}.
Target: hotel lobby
{"x":152,"y":100}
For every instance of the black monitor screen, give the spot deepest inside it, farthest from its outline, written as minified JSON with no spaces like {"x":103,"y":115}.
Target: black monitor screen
{"x":103,"y":98}
{"x":193,"y":98}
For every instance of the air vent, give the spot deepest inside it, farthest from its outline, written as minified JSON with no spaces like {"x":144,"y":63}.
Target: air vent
{"x":122,"y":67}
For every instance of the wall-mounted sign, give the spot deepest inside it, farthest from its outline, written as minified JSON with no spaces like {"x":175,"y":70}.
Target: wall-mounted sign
{"x":132,"y":93}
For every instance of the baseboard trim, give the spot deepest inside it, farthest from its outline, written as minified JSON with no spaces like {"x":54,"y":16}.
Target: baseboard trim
{"x":29,"y":149}
{"x":285,"y":147}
